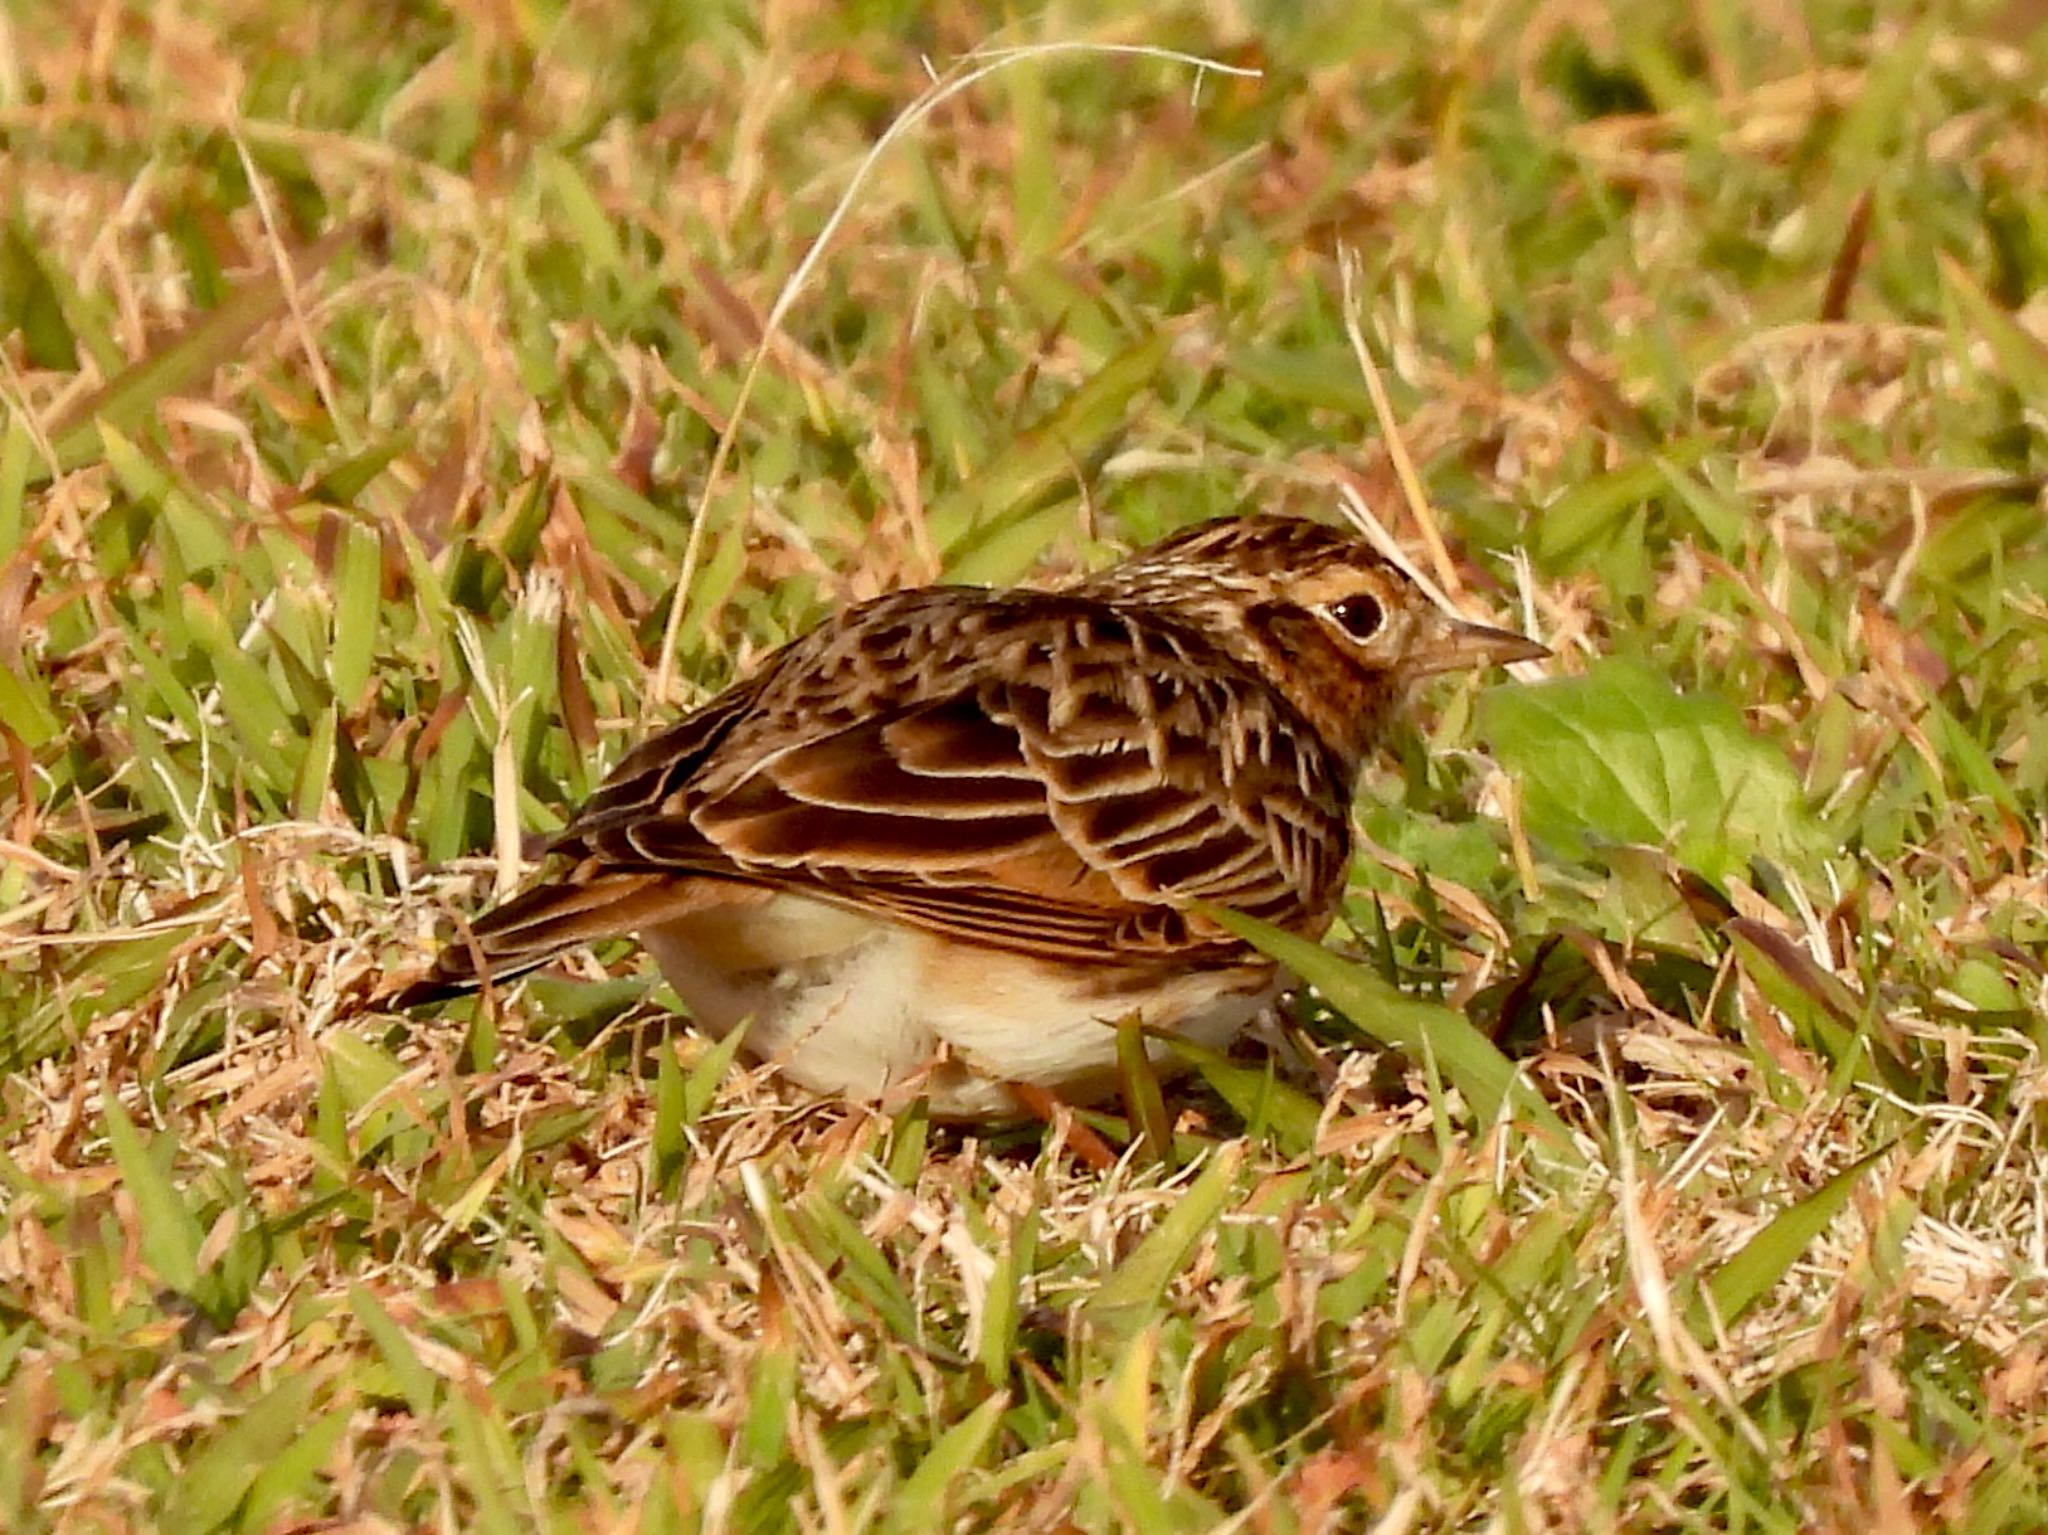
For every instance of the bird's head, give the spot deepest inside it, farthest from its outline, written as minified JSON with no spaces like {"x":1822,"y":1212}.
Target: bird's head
{"x":1339,"y":630}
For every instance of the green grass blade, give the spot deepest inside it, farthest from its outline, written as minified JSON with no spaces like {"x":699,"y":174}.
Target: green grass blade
{"x":701,"y":1087}
{"x":171,"y":1233}
{"x":920,"y":1503}
{"x":1769,"y":1255}
{"x":993,"y":526}
{"x":1130,"y":1297}
{"x":1265,"y":1103}
{"x":358,"y":584}
{"x":415,"y":1380}
{"x":218,"y":1479}
{"x":1468,"y":1058}
{"x":201,"y":349}
{"x":25,"y":708}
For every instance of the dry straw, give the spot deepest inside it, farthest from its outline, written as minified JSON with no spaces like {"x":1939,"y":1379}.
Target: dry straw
{"x":964,"y":75}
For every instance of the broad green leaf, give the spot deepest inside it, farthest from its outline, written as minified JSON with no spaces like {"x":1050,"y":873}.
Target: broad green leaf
{"x":1619,"y":755}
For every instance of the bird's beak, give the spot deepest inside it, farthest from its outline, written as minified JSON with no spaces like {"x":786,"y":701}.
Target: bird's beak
{"x":1451,"y":644}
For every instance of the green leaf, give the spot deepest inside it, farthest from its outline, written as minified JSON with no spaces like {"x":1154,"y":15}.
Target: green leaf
{"x":17,"y":454}
{"x":764,"y":1431}
{"x":253,"y":706}
{"x":669,"y":1144}
{"x":25,"y":708}
{"x":171,"y":1234}
{"x":1620,"y":755}
{"x":217,"y":1479}
{"x":1419,"y":1030}
{"x":316,"y":767}
{"x":194,"y":353}
{"x":920,"y":1503}
{"x":1004,"y":1304}
{"x":858,"y":1266}
{"x":1265,"y":1103}
{"x":362,"y":1072}
{"x":200,"y":543}
{"x":1823,"y":1009}
{"x":1963,"y":756}
{"x":1325,"y":376}
{"x":1142,"y":1098}
{"x":414,"y":1379}
{"x":287,"y":1472}
{"x":1130,"y":1297}
{"x":341,"y":482}
{"x":1767,"y":1256}
{"x":2022,"y":356}
{"x":702,"y":1084}
{"x":358,"y":588}
{"x":996,"y":524}
{"x":34,"y":304}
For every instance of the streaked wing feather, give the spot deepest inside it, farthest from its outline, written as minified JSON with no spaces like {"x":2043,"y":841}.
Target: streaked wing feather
{"x":999,"y":770}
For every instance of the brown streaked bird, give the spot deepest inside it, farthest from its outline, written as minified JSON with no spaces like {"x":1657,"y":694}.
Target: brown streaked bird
{"x":947,"y":840}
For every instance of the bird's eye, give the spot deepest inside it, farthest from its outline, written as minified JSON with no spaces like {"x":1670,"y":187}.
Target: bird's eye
{"x":1361,"y":616}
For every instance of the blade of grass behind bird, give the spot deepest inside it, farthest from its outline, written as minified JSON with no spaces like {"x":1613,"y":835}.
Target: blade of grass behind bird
{"x":195,"y":352}
{"x":993,"y":526}
{"x":1268,"y":1106}
{"x":1468,"y":1058}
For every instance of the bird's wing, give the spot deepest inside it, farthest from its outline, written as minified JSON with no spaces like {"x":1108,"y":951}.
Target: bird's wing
{"x":1036,"y":773}
{"x":1033,"y":772}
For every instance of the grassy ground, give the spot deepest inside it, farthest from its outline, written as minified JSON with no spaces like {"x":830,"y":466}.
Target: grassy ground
{"x":1716,"y":333}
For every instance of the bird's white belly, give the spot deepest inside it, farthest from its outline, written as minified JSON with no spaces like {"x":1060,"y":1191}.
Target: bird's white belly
{"x":848,"y":1004}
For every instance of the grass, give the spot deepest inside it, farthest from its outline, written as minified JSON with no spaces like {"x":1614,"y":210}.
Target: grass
{"x":364,"y":369}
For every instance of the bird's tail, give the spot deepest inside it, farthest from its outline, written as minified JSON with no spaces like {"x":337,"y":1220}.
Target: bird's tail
{"x":536,"y":925}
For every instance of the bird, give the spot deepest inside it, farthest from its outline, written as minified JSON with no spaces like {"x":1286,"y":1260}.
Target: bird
{"x":948,"y":841}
